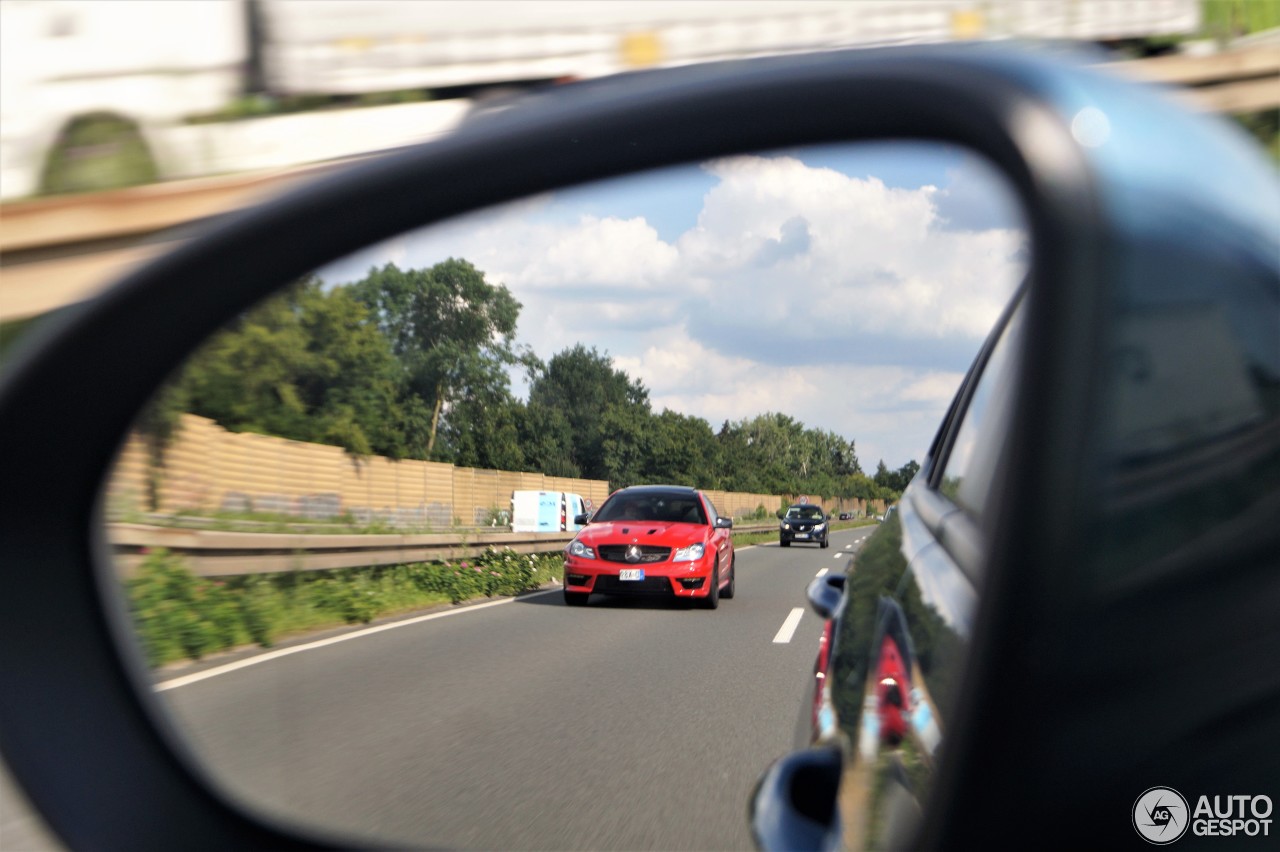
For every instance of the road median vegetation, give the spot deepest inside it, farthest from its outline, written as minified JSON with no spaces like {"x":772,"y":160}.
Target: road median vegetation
{"x":180,"y":615}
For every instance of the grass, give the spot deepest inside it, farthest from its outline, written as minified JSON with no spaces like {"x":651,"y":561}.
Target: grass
{"x":178,"y":615}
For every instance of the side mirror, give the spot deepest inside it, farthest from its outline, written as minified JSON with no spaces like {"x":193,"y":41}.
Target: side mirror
{"x":584,"y":518}
{"x":825,"y":592}
{"x":794,"y":805}
{"x":724,"y":523}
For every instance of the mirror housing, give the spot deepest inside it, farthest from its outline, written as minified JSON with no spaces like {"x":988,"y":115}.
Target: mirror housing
{"x":795,"y":806}
{"x":584,"y":518}
{"x":724,"y":523}
{"x":109,"y":355}
{"x":825,"y":593}
{"x":76,"y":700}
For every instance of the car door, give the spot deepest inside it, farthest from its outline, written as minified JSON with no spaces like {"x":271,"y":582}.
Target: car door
{"x":902,"y":613}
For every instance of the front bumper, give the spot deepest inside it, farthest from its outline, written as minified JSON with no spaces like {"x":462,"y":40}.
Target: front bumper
{"x":663,"y":579}
{"x":802,"y":538}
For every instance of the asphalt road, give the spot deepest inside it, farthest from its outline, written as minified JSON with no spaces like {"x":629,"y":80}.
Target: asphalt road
{"x":630,"y":724}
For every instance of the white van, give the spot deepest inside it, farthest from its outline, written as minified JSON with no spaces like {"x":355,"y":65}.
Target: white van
{"x":546,"y":511}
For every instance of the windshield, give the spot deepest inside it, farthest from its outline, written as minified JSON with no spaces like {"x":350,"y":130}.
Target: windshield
{"x":665,"y":507}
{"x":805,"y":513}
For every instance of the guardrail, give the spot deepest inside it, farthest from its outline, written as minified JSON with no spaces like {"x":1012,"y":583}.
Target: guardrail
{"x":216,"y":553}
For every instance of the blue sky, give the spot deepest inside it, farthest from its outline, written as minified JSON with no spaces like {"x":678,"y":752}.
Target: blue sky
{"x":848,"y":286}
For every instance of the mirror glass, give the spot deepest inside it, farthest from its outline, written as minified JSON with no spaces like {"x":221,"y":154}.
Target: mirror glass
{"x":340,"y":528}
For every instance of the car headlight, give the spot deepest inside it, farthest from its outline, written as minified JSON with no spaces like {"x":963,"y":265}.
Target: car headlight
{"x":580,"y":550}
{"x":692,"y":553}
{"x":818,"y":527}
{"x":786,"y":526}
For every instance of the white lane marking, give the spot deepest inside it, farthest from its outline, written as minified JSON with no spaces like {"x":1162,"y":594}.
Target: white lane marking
{"x":789,"y":626}
{"x":332,"y":640}
{"x":836,"y":555}
{"x":821,"y":573}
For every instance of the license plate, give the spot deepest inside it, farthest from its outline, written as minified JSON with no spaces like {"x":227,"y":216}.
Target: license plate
{"x":802,"y":535}
{"x":631,"y":574}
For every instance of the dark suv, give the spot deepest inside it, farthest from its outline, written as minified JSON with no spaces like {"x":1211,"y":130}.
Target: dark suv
{"x":803,"y":522}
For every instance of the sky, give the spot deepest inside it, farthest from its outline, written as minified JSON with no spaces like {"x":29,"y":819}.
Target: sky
{"x":846,"y":286}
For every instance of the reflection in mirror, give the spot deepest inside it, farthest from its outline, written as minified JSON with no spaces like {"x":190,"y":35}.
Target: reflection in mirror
{"x":301,"y":513}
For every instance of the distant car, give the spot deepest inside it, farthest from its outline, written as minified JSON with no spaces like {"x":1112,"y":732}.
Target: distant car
{"x":846,"y":516}
{"x":805,"y":523}
{"x":661,"y":540}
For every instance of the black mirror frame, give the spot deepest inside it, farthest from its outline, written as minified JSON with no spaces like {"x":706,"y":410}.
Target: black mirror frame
{"x":62,"y":629}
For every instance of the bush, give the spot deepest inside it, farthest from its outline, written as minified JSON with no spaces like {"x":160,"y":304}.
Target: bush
{"x":181,"y":615}
{"x":261,"y":608}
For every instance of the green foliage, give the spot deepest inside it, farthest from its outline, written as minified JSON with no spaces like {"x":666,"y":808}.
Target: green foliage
{"x":893,"y":482}
{"x":1226,"y":19}
{"x":452,"y":331}
{"x":309,"y":365}
{"x":179,"y":615}
{"x":97,"y":152}
{"x":600,"y":405}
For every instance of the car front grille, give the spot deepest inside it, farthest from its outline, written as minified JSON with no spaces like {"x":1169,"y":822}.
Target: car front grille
{"x":648,"y":553}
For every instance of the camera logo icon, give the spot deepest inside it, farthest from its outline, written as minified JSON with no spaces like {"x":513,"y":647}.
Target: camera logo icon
{"x":1161,"y":815}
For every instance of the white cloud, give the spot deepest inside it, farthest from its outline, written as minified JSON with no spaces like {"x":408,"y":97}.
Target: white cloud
{"x":602,"y":252}
{"x":844,"y":302}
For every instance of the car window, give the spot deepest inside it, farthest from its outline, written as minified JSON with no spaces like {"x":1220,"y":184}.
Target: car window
{"x":966,"y":477}
{"x":715,"y":515}
{"x":650,"y":507}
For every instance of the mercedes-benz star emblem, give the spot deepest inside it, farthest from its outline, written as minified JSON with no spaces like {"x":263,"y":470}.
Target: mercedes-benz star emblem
{"x":633,"y":553}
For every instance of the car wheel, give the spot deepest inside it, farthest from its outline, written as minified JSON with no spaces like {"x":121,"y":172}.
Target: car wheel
{"x":825,"y":543}
{"x":712,"y":600}
{"x":730,"y":589}
{"x":783,"y":542}
{"x":576,"y":598}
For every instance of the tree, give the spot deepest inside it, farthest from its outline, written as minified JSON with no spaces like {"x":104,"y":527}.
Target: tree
{"x":682,"y":450}
{"x":158,"y":425}
{"x":307,"y":365}
{"x":895,"y":480}
{"x":452,"y":330}
{"x":547,"y":441}
{"x":583,"y":385}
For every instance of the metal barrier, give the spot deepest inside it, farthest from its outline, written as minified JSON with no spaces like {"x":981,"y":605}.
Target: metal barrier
{"x":215,"y":553}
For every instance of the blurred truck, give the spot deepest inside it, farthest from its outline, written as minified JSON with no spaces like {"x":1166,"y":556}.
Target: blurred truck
{"x":98,"y":94}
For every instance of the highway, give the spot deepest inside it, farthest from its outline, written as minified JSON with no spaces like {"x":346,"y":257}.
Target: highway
{"x":630,"y":724}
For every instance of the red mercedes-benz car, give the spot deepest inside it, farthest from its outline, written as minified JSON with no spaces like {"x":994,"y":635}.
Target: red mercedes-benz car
{"x":663,"y":540}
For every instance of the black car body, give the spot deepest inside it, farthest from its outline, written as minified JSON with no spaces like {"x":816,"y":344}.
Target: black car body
{"x":804,"y":523}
